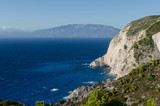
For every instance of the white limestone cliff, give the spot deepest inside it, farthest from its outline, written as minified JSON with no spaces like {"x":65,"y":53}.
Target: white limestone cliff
{"x":122,"y":56}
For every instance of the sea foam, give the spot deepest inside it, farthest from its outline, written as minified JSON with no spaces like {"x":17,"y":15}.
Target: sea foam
{"x":89,"y":82}
{"x":54,"y":89}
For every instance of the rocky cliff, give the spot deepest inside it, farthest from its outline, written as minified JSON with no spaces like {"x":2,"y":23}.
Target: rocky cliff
{"x":134,"y":45}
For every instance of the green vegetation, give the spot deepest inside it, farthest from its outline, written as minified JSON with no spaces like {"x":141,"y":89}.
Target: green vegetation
{"x":157,"y":90}
{"x":140,"y":75}
{"x":10,"y":103}
{"x":145,"y":45}
{"x":150,"y":102}
{"x":139,"y":85}
{"x":149,"y":76}
{"x":141,"y":24}
{"x":41,"y":103}
{"x":153,"y":29}
{"x":97,"y":98}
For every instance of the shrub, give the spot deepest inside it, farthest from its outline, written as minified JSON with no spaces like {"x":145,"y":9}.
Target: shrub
{"x":132,"y":71}
{"x":120,"y":81}
{"x":112,"y":92}
{"x":97,"y":99}
{"x":134,"y":104}
{"x":41,"y":103}
{"x":150,"y":102}
{"x":130,"y":90}
{"x":140,"y":75}
{"x":123,"y":91}
{"x":157,"y":90}
{"x":131,"y":79}
{"x":137,"y":70}
{"x":149,"y":76}
{"x":136,"y":80}
{"x":133,"y":88}
{"x":124,"y":81}
{"x":142,"y":68}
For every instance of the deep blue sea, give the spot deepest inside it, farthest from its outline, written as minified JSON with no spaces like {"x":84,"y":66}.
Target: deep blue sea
{"x":48,"y":69}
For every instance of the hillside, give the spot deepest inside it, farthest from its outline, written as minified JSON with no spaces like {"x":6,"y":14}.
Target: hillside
{"x":133,"y":46}
{"x":139,"y":88}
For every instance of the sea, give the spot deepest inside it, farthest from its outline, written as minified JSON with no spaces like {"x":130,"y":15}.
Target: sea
{"x":48,"y":69}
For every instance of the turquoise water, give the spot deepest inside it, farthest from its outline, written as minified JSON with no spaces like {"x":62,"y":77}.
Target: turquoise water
{"x":48,"y":69}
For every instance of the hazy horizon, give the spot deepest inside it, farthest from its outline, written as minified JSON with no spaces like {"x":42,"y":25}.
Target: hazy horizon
{"x":40,"y":14}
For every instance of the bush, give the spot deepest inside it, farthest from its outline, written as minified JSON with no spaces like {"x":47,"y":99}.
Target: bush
{"x":131,"y":79}
{"x":97,"y":99}
{"x":133,"y":88}
{"x":149,"y":76}
{"x":123,"y":91}
{"x":41,"y":103}
{"x":157,"y":90}
{"x":134,"y":104}
{"x":140,"y":75}
{"x":142,"y":68}
{"x":136,"y":80}
{"x":132,"y":71}
{"x":112,"y":92}
{"x":124,"y":81}
{"x":150,"y":102}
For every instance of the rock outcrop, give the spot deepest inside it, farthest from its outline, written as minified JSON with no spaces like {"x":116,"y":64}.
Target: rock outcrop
{"x":83,"y":92}
{"x":134,"y":45}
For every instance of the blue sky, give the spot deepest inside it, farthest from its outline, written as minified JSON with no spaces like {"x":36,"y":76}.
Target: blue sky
{"x":39,"y":14}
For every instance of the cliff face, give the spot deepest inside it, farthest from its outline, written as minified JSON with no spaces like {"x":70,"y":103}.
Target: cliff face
{"x":136,"y":44}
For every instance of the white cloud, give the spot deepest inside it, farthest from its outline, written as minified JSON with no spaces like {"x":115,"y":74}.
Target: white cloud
{"x":3,"y":27}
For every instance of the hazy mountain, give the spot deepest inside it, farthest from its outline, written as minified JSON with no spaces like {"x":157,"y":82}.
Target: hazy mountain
{"x":6,"y":32}
{"x":67,"y":31}
{"x":79,"y":31}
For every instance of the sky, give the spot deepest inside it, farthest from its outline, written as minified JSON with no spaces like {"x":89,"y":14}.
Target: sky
{"x":42,"y":14}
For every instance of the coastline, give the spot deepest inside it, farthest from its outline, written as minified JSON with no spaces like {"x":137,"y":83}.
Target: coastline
{"x":84,"y":91}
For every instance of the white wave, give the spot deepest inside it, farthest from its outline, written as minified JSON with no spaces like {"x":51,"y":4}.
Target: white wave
{"x":69,"y":91}
{"x":89,"y":82}
{"x":103,"y":73}
{"x":65,"y":97}
{"x":85,"y":63}
{"x":54,"y":89}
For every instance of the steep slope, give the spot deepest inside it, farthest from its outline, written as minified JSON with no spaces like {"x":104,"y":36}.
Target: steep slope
{"x":139,"y":88}
{"x":79,"y":31}
{"x":134,"y":45}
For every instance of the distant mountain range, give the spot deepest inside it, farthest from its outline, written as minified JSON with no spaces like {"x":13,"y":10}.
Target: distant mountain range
{"x":67,"y":31}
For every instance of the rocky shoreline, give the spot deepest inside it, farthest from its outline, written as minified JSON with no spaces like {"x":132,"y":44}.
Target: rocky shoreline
{"x":82,"y":93}
{"x":135,"y":45}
